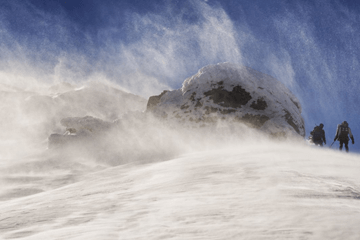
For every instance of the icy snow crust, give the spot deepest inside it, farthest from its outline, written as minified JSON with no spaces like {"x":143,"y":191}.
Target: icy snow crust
{"x":190,"y":104}
{"x":262,"y":191}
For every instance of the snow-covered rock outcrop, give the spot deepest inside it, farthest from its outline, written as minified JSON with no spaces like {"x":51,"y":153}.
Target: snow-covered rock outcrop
{"x":233,"y":93}
{"x":79,"y":129}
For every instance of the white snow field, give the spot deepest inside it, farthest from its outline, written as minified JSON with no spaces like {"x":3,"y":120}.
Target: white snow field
{"x":264,"y":190}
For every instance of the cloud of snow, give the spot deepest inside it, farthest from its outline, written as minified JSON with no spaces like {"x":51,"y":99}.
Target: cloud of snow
{"x":153,"y":52}
{"x":164,"y":47}
{"x":159,"y":52}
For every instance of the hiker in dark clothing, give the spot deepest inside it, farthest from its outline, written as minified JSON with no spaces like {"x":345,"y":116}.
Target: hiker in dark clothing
{"x":342,"y":134}
{"x":318,"y":135}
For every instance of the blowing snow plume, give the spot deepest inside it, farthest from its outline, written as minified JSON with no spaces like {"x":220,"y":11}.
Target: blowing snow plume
{"x":152,"y":46}
{"x":29,"y":117}
{"x":223,"y":106}
{"x":215,"y":177}
{"x":212,"y":109}
{"x":147,"y":54}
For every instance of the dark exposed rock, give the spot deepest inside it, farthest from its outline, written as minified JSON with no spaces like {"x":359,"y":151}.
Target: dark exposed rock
{"x":79,"y":129}
{"x":227,"y":111}
{"x":290,"y":121}
{"x":192,"y":97}
{"x":295,"y":103}
{"x":209,"y":110}
{"x":278,"y":135}
{"x":235,"y":99}
{"x":71,"y":130}
{"x":260,"y":104}
{"x":198,"y":104}
{"x":255,"y":121}
{"x":154,"y":100}
{"x":219,"y":84}
{"x":184,"y":106}
{"x":87,"y":123}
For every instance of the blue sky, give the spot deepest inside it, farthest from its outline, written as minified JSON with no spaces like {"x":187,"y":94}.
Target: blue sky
{"x":148,"y":46}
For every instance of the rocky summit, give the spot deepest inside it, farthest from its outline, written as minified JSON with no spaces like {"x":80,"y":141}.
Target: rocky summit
{"x":233,"y":93}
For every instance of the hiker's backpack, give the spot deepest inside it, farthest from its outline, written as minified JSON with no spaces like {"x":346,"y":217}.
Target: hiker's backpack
{"x":317,"y":133}
{"x":344,"y":132}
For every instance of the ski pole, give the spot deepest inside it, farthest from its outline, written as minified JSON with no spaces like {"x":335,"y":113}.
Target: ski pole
{"x":332,"y":143}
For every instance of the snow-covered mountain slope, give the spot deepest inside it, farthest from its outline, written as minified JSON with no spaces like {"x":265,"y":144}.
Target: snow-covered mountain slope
{"x":247,"y":191}
{"x":231,"y":92}
{"x":139,"y":177}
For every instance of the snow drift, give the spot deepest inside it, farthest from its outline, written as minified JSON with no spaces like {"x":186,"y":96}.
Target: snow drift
{"x":245,"y":191}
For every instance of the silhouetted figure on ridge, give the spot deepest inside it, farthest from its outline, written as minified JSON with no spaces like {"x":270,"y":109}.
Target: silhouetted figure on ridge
{"x":342,"y":134}
{"x":318,"y":135}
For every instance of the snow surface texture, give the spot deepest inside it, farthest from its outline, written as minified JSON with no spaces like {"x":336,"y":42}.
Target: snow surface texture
{"x":232,"y":92}
{"x":249,"y":191}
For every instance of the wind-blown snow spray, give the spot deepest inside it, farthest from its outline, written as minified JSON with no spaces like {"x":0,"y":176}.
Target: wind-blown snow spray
{"x":148,"y":53}
{"x":142,"y":175}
